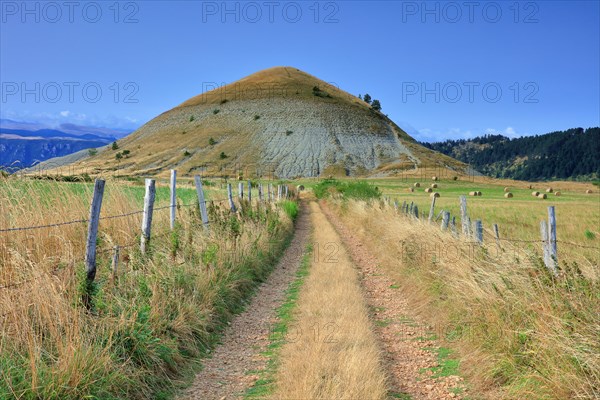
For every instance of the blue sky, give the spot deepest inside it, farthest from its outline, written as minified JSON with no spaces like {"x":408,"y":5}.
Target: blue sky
{"x":440,"y":69}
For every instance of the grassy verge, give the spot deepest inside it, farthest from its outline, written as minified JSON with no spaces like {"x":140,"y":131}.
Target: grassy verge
{"x":144,"y":328}
{"x":519,"y":331}
{"x":264,"y":386}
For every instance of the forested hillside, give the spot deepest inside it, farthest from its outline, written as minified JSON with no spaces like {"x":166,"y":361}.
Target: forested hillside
{"x":570,"y":154}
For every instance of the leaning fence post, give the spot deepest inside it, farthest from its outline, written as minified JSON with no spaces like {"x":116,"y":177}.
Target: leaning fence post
{"x":432,"y":208}
{"x":115,"y":262}
{"x":445,"y":220}
{"x":478,"y":231}
{"x":464,"y":218}
{"x":230,"y":197}
{"x":201,"y":201}
{"x":416,"y":211}
{"x":552,"y":238}
{"x":497,"y":236}
{"x":410,"y":210}
{"x":90,"y":247}
{"x":453,"y":225}
{"x":250,"y":191}
{"x":241,"y":190}
{"x":147,"y":218}
{"x":173,"y":197}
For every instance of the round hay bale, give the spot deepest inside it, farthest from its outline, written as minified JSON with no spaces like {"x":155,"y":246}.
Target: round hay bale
{"x":535,"y":194}
{"x":417,"y":184}
{"x":557,"y":193}
{"x":434,"y":185}
{"x":434,"y":194}
{"x":435,"y":178}
{"x":508,"y":195}
{"x":411,"y":189}
{"x":428,"y":190}
{"x":506,"y":189}
{"x":589,"y":191}
{"x":542,"y":196}
{"x":478,"y":193}
{"x":300,"y":188}
{"x":472,"y":193}
{"x":549,"y":190}
{"x":455,"y":178}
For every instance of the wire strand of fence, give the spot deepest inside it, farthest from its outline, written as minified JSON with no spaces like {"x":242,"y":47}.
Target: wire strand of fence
{"x":81,"y":221}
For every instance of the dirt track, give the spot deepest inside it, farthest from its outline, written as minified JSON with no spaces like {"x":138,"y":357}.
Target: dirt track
{"x":231,"y":369}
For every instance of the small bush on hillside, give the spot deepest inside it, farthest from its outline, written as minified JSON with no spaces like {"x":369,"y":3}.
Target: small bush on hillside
{"x":288,"y":133}
{"x":119,"y":156}
{"x":212,"y":142}
{"x":126,"y":153}
{"x":192,"y":118}
{"x":222,"y":156}
{"x":224,"y":101}
{"x":115,"y":146}
{"x":256,"y":117}
{"x":216,"y":111}
{"x":187,"y":153}
{"x":92,"y":152}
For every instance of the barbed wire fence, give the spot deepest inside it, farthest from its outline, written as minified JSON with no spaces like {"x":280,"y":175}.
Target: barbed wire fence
{"x":474,"y":232}
{"x":269,"y":196}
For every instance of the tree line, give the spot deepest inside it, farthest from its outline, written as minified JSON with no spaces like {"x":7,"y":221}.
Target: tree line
{"x":570,"y":154}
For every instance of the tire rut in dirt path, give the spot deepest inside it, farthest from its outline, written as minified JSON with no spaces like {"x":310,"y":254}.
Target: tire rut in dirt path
{"x":232,"y":368}
{"x":401,"y":335}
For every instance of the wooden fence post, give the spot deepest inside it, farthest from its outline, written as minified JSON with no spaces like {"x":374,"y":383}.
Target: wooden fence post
{"x":453,"y":225}
{"x":545,"y":247}
{"x":90,"y":247}
{"x":115,"y":262}
{"x":478,"y":231}
{"x":396,"y":205}
{"x":278,"y":192}
{"x":250,"y":191}
{"x":260,"y":192}
{"x":432,"y":208}
{"x":404,"y":206}
{"x":410,"y":210}
{"x":201,"y":201}
{"x":464,"y":218}
{"x":173,"y":197}
{"x":416,"y":211}
{"x":270,"y":192}
{"x":287,"y":191}
{"x":148,"y":210}
{"x":553,"y":253}
{"x":497,"y":235}
{"x":230,"y":197}
{"x":445,"y":220}
{"x":241,"y":190}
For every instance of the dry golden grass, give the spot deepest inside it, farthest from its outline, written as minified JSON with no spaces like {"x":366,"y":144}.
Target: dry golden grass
{"x":521,"y":333}
{"x":331,"y":351}
{"x":161,"y":311}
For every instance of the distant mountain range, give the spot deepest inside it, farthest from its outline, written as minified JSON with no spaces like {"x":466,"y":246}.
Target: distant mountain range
{"x":23,"y":144}
{"x":570,"y":154}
